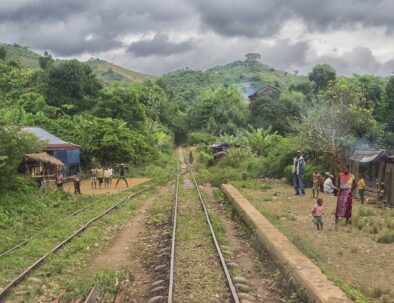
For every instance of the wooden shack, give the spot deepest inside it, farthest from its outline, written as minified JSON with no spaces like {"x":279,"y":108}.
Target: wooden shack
{"x":41,"y":167}
{"x":267,"y":90}
{"x":378,"y":168}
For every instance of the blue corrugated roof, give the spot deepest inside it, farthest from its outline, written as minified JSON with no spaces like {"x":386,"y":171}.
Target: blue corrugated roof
{"x":43,"y":135}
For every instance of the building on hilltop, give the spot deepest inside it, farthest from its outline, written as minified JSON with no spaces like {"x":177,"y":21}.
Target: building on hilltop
{"x":268,"y":90}
{"x":68,"y":153}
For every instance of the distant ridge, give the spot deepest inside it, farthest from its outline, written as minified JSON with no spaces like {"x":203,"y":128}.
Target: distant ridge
{"x":107,"y":72}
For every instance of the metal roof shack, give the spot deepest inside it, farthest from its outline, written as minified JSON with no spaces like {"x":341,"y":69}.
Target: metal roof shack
{"x":369,"y":155}
{"x":66,"y":152}
{"x":52,"y":142}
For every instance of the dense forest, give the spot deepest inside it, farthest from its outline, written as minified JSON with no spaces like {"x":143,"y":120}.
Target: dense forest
{"x":135,"y":121}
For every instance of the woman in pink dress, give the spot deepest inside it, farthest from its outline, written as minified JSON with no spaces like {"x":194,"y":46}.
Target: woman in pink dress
{"x":347,"y":184}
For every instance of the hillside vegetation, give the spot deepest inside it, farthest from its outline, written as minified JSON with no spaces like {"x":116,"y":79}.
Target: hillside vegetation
{"x":111,"y":73}
{"x":186,"y":84}
{"x":107,"y":72}
{"x":22,"y":54}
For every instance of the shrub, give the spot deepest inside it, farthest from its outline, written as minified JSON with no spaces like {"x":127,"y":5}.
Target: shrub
{"x":206,"y":158}
{"x":197,"y":137}
{"x":235,"y":157}
{"x":364,"y":211}
{"x":387,"y":237}
{"x":251,"y":184}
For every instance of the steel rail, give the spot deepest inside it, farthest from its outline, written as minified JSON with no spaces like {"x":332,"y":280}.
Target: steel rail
{"x":172,"y":261}
{"x":219,"y":251}
{"x":23,"y":242}
{"x":23,"y":274}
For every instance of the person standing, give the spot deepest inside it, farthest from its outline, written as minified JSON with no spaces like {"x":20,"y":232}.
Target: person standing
{"x":100,"y":176}
{"x":298,"y":172}
{"x":122,"y":170}
{"x":106,"y":178}
{"x":191,"y":158}
{"x":347,"y":184}
{"x":361,"y":188}
{"x":316,"y":181}
{"x":59,"y":180}
{"x":111,"y":173}
{"x":77,"y":183}
{"x":93,"y":176}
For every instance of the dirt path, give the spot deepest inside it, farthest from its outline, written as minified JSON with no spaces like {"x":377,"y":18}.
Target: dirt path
{"x":129,"y":250}
{"x":86,"y":186}
{"x":262,"y":287}
{"x":350,"y":253}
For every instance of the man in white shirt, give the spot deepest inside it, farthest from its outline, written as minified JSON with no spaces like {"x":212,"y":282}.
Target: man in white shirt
{"x":329,"y":187}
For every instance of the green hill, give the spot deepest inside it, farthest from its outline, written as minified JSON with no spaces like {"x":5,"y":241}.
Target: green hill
{"x":111,"y":73}
{"x":107,"y":72}
{"x":22,"y":54}
{"x":186,"y":84}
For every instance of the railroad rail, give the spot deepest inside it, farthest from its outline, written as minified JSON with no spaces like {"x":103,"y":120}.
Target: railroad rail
{"x":29,"y":238}
{"x":229,"y":280}
{"x":16,"y":280}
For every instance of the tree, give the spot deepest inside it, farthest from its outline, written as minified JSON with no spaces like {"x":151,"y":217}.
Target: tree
{"x":218,"y":112}
{"x":3,"y":53}
{"x":72,"y":86}
{"x":258,"y":139}
{"x":266,"y":111}
{"x":321,"y":75}
{"x":251,"y":58}
{"x":332,"y":126}
{"x":45,"y":61}
{"x":386,"y":111}
{"x":121,"y":102}
{"x":14,"y":145}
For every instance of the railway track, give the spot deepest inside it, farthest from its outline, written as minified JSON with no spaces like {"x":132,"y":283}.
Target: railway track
{"x":25,"y":272}
{"x":222,"y":261}
{"x":122,"y":296}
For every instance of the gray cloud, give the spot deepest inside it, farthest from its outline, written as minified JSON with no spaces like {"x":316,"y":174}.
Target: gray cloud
{"x":74,"y":27}
{"x":159,"y":45}
{"x":222,"y":31}
{"x":264,"y":18}
{"x":360,"y":60}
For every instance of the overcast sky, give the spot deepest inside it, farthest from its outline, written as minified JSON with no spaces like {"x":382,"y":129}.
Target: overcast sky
{"x":157,"y":36}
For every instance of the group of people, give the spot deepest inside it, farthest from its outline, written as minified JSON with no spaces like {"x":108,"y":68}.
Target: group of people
{"x":344,"y":192}
{"x":100,"y":176}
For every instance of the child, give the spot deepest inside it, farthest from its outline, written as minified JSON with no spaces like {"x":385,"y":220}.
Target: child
{"x":361,"y":187}
{"x":317,"y":213}
{"x":316,"y":181}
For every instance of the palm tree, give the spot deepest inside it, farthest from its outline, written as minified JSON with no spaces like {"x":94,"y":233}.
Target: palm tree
{"x":258,"y":139}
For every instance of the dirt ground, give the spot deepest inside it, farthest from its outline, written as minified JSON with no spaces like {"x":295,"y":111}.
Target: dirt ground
{"x":86,"y":186}
{"x":350,"y":253}
{"x":130,"y":249}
